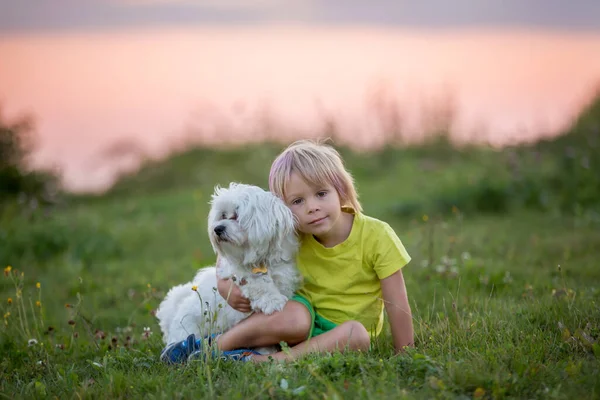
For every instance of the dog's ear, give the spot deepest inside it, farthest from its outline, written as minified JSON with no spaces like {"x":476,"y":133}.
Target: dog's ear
{"x":285,"y":239}
{"x":217,"y":192}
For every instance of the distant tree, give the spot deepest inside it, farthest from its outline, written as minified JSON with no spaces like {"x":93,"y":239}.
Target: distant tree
{"x":17,"y":178}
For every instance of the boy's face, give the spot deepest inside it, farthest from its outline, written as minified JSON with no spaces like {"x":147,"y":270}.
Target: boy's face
{"x":317,"y":209}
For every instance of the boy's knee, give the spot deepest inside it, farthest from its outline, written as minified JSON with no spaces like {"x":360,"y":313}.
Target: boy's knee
{"x":294,"y":322}
{"x":358,"y":336}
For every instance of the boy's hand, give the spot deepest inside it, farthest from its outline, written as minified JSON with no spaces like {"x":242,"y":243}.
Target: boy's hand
{"x":233,"y":295}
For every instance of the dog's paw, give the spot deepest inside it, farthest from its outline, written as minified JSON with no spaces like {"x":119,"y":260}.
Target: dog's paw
{"x":270,"y":305}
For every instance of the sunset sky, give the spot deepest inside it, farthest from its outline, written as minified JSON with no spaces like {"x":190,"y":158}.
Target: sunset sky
{"x":156,"y":72}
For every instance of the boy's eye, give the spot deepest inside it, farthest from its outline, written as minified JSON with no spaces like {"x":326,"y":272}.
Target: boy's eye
{"x":322,"y":193}
{"x":296,"y":202}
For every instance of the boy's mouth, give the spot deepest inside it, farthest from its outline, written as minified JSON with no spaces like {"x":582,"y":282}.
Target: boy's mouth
{"x":316,"y":221}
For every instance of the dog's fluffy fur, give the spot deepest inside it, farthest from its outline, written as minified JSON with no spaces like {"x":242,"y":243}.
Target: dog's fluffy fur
{"x":249,"y":228}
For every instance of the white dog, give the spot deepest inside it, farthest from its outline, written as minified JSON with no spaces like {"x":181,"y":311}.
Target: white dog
{"x":253,"y":235}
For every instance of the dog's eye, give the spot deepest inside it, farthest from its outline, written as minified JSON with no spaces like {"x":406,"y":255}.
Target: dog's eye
{"x":234,"y":217}
{"x":223,"y":215}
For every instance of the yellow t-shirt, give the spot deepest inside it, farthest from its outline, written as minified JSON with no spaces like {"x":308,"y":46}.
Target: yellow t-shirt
{"x":342,"y":282}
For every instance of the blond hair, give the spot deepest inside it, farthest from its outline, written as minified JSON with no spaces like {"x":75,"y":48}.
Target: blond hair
{"x":318,"y":164}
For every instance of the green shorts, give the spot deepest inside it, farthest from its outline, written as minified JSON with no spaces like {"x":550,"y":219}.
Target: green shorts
{"x":319,"y":324}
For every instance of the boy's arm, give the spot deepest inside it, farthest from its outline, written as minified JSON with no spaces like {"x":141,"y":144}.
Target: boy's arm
{"x":398,"y":310}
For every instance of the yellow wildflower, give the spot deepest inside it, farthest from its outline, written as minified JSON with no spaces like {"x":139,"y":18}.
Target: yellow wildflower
{"x":9,"y":301}
{"x":38,"y":285}
{"x":425,"y":217}
{"x":38,"y":303}
{"x":479,"y":392}
{"x":7,"y":314}
{"x":194,"y":288}
{"x":7,"y":270}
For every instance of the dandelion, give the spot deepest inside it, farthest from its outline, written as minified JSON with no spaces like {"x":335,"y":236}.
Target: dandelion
{"x":195,"y":288}
{"x":7,"y":270}
{"x":425,"y":217}
{"x":32,"y":342}
{"x":9,"y":301}
{"x":38,"y":303}
{"x":149,"y":285}
{"x":38,"y":285}
{"x":479,"y":392}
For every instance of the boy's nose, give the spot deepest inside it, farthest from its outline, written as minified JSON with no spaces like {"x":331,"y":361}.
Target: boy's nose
{"x":312,"y":207}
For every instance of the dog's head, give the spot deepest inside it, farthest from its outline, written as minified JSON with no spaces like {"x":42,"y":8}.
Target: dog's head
{"x":250,"y":225}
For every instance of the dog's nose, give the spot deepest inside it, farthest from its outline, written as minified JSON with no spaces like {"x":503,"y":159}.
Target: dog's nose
{"x":219,"y":229}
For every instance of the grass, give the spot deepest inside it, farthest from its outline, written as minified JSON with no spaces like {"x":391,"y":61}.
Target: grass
{"x":493,"y":314}
{"x":505,"y":301}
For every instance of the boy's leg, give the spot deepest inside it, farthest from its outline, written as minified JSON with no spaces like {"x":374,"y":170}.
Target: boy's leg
{"x":350,"y":335}
{"x":291,"y":325}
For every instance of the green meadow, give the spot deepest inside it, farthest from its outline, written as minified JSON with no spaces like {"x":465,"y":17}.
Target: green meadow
{"x":504,"y":281}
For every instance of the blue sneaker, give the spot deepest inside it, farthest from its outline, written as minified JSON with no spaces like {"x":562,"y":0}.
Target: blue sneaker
{"x":238,"y":355}
{"x":176,"y":353}
{"x":229,"y":355}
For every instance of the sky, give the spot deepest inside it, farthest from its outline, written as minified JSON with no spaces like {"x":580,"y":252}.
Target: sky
{"x":151,"y":75}
{"x":77,"y":15}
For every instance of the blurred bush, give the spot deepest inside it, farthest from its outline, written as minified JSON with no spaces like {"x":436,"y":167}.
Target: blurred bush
{"x":561,"y":174}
